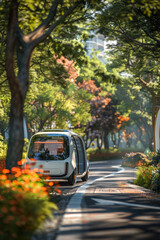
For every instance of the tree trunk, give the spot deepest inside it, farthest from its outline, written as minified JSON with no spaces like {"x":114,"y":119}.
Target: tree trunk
{"x":16,"y":128}
{"x":154,"y":114}
{"x":114,"y":140}
{"x":106,"y":142}
{"x":99,"y":142}
{"x":119,"y":139}
{"x":18,"y":87}
{"x":16,"y":133}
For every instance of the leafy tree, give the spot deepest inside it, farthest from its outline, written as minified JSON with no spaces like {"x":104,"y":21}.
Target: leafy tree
{"x":103,"y":115}
{"x":29,"y":25}
{"x":103,"y":120}
{"x":135,"y":103}
{"x":47,"y":105}
{"x":133,"y":22}
{"x":134,"y":28}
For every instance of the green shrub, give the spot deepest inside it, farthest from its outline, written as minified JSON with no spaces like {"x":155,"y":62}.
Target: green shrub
{"x":156,"y":179}
{"x":98,"y":155}
{"x":156,"y":158}
{"x":145,"y":176}
{"x":148,"y":177}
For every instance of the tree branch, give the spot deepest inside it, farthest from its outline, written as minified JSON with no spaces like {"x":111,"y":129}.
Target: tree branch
{"x":146,"y":86}
{"x":40,"y":34}
{"x":132,"y":39}
{"x":3,"y":82}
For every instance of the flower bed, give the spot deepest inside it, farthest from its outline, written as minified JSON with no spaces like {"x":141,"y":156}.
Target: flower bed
{"x":24,"y":203}
{"x":134,"y":160}
{"x":149,"y":177}
{"x":148,"y":173}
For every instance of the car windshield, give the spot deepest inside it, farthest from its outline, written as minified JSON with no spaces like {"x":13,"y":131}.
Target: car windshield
{"x":49,"y":147}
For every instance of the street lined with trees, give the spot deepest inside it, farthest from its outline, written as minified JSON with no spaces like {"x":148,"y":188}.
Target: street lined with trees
{"x":49,"y":80}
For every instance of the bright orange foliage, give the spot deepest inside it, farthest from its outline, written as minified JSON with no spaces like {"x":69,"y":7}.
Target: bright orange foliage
{"x":69,"y":66}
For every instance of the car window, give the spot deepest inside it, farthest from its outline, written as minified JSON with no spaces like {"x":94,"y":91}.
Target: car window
{"x":49,"y":147}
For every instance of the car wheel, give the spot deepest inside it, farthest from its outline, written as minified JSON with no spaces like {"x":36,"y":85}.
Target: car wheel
{"x":72,"y":178}
{"x":85,"y":178}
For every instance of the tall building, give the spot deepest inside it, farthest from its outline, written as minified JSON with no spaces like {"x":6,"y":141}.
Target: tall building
{"x":96,"y":43}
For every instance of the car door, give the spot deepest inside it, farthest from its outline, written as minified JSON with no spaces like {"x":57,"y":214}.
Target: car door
{"x":79,"y":153}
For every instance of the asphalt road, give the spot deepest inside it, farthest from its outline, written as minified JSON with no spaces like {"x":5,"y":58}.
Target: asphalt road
{"x":108,"y":206}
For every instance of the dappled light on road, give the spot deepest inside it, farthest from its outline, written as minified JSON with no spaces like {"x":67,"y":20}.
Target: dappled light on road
{"x":112,"y":209}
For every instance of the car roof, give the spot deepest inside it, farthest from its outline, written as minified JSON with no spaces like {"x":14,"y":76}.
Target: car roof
{"x":57,"y":131}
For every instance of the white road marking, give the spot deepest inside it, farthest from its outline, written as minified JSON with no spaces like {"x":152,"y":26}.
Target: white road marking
{"x":73,"y":212}
{"x":112,"y":202}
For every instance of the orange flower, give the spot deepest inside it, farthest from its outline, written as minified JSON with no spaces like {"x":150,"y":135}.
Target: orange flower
{"x":48,"y":177}
{"x":50,"y":183}
{"x":34,"y":179}
{"x":35,"y":190}
{"x":15,"y":169}
{"x":18,"y":174}
{"x":7,"y":182}
{"x":22,"y":161}
{"x":15,"y":182}
{"x":44,"y":189}
{"x":57,"y":190}
{"x":5,"y":171}
{"x":27,"y":166}
{"x":26,"y":171}
{"x":25,"y":179}
{"x":3,"y":177}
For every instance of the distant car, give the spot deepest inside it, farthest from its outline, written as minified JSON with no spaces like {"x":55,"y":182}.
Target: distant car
{"x":60,"y":153}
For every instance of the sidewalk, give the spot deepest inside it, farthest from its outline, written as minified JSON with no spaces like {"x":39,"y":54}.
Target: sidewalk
{"x":147,"y":193}
{"x":116,"y":209}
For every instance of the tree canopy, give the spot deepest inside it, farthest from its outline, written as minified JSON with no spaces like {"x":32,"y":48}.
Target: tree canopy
{"x":27,"y":25}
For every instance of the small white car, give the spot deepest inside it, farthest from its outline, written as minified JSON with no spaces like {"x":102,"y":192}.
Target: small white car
{"x":60,"y":153}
